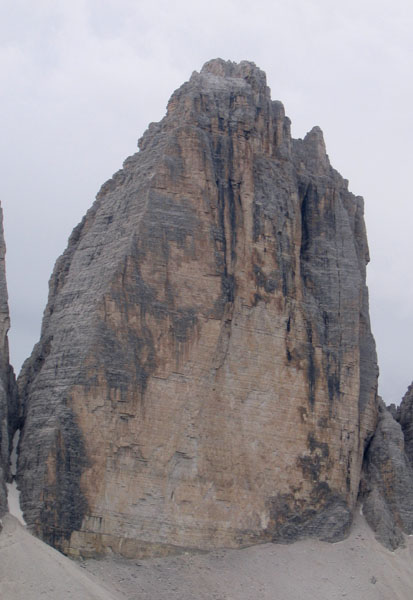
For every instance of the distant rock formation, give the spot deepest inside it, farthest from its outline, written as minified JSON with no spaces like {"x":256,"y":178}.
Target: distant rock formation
{"x":206,"y":375}
{"x":387,"y":486}
{"x":405,"y":418}
{"x":8,"y":403}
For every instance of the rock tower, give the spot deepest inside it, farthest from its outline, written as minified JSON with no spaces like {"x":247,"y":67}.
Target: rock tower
{"x":206,"y":375}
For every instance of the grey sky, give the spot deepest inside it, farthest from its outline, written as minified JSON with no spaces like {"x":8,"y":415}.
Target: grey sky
{"x":81,"y":80}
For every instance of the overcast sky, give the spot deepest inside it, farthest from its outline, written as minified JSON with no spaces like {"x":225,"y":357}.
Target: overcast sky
{"x":80,"y":80}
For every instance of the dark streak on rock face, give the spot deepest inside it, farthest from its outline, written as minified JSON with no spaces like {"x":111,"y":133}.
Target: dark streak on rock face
{"x":115,"y":356}
{"x":307,"y":208}
{"x":326,"y":516}
{"x":314,"y":445}
{"x":313,"y":464}
{"x":312,"y":371}
{"x":229,"y":217}
{"x":119,"y":348}
{"x":65,"y":505}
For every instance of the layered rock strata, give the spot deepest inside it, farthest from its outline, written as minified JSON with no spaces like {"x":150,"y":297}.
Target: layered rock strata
{"x":206,"y":375}
{"x":8,"y":402}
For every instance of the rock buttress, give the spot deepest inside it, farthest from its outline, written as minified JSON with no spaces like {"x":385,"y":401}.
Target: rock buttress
{"x":206,"y":375}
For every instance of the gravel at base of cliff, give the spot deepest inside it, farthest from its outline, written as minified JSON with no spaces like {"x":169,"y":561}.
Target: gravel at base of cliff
{"x":359,"y":568}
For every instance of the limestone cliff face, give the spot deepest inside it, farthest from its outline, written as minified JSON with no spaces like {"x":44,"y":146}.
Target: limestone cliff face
{"x":8,"y":405}
{"x":206,"y":374}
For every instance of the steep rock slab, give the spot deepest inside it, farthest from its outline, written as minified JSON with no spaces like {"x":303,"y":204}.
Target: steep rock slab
{"x":206,"y":374}
{"x":8,"y":402}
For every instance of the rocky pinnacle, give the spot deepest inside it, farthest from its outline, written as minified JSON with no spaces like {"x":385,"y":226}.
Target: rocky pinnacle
{"x":387,"y":483}
{"x":206,"y":375}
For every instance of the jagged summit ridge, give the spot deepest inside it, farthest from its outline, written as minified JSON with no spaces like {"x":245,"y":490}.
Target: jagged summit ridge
{"x":226,"y":69}
{"x":206,"y":375}
{"x":219,"y":74}
{"x":226,"y":90}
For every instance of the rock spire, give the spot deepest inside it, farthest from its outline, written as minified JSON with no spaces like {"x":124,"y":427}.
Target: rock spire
{"x":206,"y":375}
{"x":387,"y":483}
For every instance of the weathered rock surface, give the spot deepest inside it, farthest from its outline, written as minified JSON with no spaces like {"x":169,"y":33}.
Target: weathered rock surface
{"x":405,"y":417}
{"x":387,"y":487}
{"x":8,"y":405}
{"x":206,"y":375}
{"x":387,"y":484}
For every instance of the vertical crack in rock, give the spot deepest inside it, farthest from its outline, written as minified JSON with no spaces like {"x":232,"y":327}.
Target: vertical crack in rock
{"x":206,"y":374}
